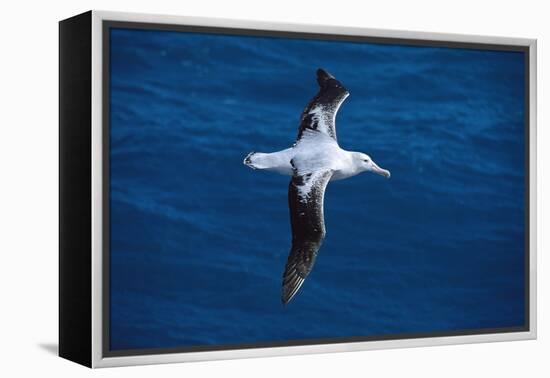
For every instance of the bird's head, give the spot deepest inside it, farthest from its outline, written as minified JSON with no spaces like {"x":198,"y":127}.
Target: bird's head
{"x":363,"y":163}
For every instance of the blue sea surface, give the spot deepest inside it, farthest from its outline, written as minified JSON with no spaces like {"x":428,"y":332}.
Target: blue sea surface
{"x":198,"y":241}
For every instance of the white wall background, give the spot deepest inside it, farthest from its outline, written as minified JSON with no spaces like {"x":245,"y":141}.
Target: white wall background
{"x":28,"y":200}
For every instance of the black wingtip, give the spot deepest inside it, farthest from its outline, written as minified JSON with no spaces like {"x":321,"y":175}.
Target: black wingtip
{"x":286,"y":295}
{"x":285,"y":299}
{"x":323,"y":76}
{"x":291,"y":285}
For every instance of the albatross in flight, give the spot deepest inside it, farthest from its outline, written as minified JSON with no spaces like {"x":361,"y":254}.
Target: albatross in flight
{"x":313,"y":161}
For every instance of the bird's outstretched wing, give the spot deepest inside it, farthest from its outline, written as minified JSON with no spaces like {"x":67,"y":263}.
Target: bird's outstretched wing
{"x":305,"y":200}
{"x":320,"y":113}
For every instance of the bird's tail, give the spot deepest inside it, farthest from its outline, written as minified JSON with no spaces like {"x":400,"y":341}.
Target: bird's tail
{"x":256,"y":160}
{"x":248,"y":160}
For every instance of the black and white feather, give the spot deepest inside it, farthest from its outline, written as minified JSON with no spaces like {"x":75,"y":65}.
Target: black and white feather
{"x":306,"y":194}
{"x":320,"y":113}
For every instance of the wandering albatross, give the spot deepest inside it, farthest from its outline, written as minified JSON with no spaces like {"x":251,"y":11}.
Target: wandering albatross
{"x":312,"y":161}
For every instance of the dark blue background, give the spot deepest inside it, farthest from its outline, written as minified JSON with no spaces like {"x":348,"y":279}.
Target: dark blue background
{"x":199,"y":241}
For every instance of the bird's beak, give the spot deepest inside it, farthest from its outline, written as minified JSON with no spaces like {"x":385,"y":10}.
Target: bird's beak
{"x":382,"y":172}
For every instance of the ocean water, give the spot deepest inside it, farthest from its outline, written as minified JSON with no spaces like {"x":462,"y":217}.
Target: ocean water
{"x":199,"y":241}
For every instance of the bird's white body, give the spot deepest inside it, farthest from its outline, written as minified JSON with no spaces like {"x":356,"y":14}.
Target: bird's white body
{"x":314,"y":152}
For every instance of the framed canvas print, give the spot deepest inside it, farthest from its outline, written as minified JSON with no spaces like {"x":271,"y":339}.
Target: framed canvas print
{"x":236,"y":189}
